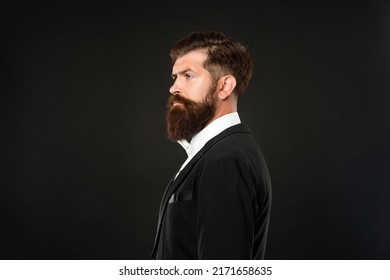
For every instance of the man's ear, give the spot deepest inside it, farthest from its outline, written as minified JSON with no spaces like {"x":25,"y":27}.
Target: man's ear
{"x":226,"y":86}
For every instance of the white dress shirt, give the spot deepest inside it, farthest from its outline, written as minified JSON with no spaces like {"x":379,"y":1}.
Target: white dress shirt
{"x":206,"y":134}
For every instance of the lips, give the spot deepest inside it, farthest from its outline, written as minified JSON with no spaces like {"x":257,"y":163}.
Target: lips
{"x":178,"y":102}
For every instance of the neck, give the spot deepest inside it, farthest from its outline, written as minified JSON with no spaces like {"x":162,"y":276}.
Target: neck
{"x":224,"y":109}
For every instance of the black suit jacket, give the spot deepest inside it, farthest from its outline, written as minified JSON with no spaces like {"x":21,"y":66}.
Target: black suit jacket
{"x":218,"y":207}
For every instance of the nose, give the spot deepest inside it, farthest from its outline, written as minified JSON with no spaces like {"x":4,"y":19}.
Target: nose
{"x":174,"y":89}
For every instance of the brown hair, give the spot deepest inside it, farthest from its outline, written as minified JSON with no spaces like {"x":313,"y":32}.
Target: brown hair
{"x":225,"y":56}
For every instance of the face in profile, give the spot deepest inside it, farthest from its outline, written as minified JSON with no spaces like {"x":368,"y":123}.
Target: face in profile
{"x":193,"y":101}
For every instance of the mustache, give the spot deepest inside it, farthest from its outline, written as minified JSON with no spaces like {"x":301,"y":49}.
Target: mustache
{"x":178,"y":98}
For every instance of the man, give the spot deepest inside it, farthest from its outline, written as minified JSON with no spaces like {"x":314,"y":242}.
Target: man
{"x":218,"y":205}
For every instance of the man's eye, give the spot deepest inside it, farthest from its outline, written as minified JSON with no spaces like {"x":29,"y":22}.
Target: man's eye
{"x":188,"y":76}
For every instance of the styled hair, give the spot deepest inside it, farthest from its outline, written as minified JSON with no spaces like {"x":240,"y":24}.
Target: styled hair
{"x":225,"y":56}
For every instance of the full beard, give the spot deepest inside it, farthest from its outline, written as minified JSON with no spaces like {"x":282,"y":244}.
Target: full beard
{"x":186,"y":119}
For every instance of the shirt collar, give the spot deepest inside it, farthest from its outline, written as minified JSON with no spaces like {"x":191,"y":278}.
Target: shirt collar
{"x":209,"y":132}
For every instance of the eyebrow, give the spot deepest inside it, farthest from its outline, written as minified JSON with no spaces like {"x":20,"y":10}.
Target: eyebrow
{"x":174,"y":75}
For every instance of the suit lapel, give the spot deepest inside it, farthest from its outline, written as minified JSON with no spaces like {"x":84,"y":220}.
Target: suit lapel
{"x":175,"y":183}
{"x":240,"y":128}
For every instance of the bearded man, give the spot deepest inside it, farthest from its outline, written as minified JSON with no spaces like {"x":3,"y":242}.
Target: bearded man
{"x":218,"y":204}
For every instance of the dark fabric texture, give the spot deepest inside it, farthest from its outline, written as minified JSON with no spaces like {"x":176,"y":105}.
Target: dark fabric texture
{"x":218,"y":207}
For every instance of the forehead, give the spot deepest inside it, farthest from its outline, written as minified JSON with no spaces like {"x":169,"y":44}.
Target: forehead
{"x":192,"y":60}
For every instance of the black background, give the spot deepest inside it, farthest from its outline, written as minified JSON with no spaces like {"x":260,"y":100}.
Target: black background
{"x":85,"y":158}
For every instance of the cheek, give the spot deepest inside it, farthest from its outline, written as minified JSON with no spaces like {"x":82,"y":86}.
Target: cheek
{"x":198,"y":94}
